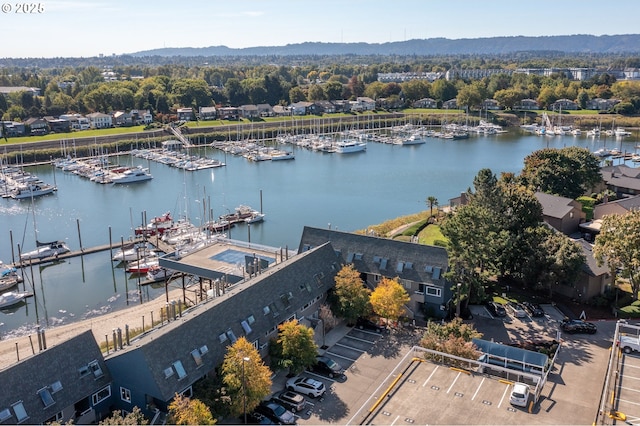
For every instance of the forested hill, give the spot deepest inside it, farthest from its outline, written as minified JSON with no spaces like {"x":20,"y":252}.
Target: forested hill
{"x":579,"y":43}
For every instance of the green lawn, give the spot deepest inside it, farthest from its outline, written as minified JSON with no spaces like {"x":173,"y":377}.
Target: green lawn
{"x":430,"y":234}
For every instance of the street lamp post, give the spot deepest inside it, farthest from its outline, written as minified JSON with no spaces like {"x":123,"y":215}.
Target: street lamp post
{"x":458,"y":304}
{"x":244,"y":391}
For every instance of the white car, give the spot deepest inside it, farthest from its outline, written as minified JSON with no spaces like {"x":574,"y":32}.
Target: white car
{"x":517,"y":310}
{"x":519,"y":394}
{"x":306,"y":386}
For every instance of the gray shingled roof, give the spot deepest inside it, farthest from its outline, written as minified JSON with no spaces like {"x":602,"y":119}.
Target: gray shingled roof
{"x":621,"y":176}
{"x":628,"y":203}
{"x":390,"y":258}
{"x":60,"y":363}
{"x":286,"y":288}
{"x":590,"y":266}
{"x":554,"y":205}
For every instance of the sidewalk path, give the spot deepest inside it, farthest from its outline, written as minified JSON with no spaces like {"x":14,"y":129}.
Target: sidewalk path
{"x":102,"y":325}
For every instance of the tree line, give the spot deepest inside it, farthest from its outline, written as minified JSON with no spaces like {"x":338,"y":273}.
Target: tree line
{"x":164,"y":88}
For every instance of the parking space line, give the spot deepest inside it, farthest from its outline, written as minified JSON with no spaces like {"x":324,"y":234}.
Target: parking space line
{"x":630,"y":389}
{"x":329,"y":379}
{"x":430,"y":375}
{"x":373,"y":333}
{"x":626,"y":376}
{"x":628,"y":402}
{"x":478,"y":390}
{"x":350,"y":347}
{"x":361,"y":340}
{"x":341,"y":356}
{"x":453,"y":383}
{"x":506,"y":389}
{"x":395,"y":420}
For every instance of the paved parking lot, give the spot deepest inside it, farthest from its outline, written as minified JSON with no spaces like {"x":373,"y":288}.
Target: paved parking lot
{"x":628,"y":395}
{"x":435,"y":394}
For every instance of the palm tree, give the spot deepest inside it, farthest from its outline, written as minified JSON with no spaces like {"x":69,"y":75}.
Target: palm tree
{"x":431,"y":202}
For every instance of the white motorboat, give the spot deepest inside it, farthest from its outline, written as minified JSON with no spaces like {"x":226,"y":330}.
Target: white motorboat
{"x":348,"y":146}
{"x":9,"y":277}
{"x":137,"y":174}
{"x":54,"y":248}
{"x":594,"y":133}
{"x":158,"y":273}
{"x":255,"y":218}
{"x":277,"y":155}
{"x":621,"y":132}
{"x":11,"y":298}
{"x":157,"y":225}
{"x":133,"y":253}
{"x":32,"y":190}
{"x":142,"y":266}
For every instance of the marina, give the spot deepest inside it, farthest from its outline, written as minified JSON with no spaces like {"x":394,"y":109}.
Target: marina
{"x":345,"y":192}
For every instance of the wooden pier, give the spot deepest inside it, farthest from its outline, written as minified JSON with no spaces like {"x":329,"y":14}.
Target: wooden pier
{"x":156,"y":242}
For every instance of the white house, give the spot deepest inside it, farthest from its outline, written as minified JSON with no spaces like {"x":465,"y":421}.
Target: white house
{"x":100,"y":120}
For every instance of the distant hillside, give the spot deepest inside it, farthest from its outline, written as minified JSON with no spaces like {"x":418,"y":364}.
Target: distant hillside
{"x":579,"y":43}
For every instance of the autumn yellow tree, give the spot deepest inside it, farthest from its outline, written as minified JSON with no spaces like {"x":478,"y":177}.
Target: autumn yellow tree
{"x":247,"y":377}
{"x":135,"y":417}
{"x":298,"y":346}
{"x":352,"y":297}
{"x":389,"y":298}
{"x":187,"y":411}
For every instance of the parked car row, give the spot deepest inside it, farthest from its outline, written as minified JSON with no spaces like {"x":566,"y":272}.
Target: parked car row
{"x":283,"y":405}
{"x":518,"y":310}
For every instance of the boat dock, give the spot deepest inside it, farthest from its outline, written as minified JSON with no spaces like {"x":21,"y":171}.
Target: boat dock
{"x":157,"y":242}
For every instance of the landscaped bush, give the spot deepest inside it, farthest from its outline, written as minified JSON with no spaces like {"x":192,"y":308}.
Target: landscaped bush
{"x":630,"y":311}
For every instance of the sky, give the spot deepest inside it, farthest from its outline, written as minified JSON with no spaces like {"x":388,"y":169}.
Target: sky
{"x":86,"y":28}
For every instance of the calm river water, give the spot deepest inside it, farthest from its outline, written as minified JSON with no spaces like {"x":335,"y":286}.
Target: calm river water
{"x":347,"y":191}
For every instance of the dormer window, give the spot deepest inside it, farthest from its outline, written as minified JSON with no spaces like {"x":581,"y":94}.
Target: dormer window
{"x":96,"y":369}
{"x":45,"y":396}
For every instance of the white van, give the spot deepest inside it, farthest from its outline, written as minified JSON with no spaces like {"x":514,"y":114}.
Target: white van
{"x":519,"y":394}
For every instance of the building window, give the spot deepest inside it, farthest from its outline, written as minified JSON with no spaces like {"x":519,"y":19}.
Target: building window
{"x":168,"y":372}
{"x":20,"y":412}
{"x":46,"y":397}
{"x":101,"y":395}
{"x":56,"y":386}
{"x":95,"y":367}
{"x":83,"y":371}
{"x":204,"y":349}
{"x":5,"y":414}
{"x":285,"y":300}
{"x":196,"y":357}
{"x":266,"y":310}
{"x":180,"y":370}
{"x":273,"y":309}
{"x":222,"y":337}
{"x":125,"y":395}
{"x":231,"y":335}
{"x":433,"y":291}
{"x":188,"y":392}
{"x":57,"y":418}
{"x":245,"y":327}
{"x":251,"y":319}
